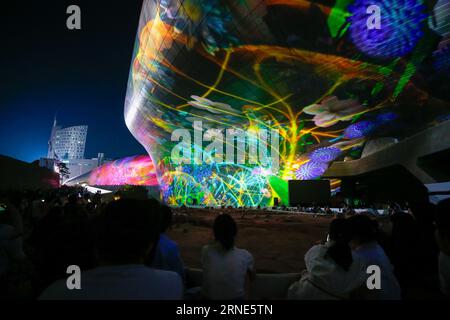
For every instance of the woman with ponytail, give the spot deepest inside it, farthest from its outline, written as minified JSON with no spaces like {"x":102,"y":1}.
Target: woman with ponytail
{"x":332,"y":271}
{"x":226,"y":269}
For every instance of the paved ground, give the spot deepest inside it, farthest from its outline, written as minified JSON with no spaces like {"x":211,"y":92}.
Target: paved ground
{"x":277,"y":242}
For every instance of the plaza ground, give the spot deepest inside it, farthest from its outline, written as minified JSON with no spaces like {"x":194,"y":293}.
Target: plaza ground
{"x":278,"y":242}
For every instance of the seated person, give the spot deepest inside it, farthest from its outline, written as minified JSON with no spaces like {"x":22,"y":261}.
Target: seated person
{"x":333,"y":272}
{"x":166,"y":255}
{"x":11,"y":244}
{"x":443,"y":240}
{"x":126,"y":231}
{"x":363,"y":241}
{"x":226,"y":269}
{"x":402,"y":248}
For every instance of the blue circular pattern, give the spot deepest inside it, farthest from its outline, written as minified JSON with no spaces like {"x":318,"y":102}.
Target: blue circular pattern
{"x":326,"y":154}
{"x":311,"y":170}
{"x":401,"y":27}
{"x":359,"y":130}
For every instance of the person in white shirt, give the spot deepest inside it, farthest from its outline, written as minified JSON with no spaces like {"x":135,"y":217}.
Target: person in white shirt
{"x":363,"y":234}
{"x":126,"y":231}
{"x":333,"y":272}
{"x":227,"y":269}
{"x":442,"y":235}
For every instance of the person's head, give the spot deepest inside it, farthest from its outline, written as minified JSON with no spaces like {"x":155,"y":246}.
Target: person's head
{"x":55,"y":212}
{"x":443,"y":226}
{"x":72,"y":198}
{"x":15,"y":199}
{"x":385,"y":225}
{"x":422,"y":211}
{"x":166,"y":218}
{"x":68,"y":243}
{"x":225,"y":231}
{"x":362,"y":230}
{"x":338,"y":230}
{"x":339,"y":249}
{"x":404,"y":227}
{"x":127,"y":229}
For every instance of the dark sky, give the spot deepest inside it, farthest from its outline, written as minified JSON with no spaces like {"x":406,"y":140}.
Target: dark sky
{"x":82,"y":75}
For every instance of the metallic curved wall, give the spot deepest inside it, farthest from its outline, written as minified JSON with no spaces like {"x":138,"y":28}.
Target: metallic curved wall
{"x":136,"y":171}
{"x":313,"y":71}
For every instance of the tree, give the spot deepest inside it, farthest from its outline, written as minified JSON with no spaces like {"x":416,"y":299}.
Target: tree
{"x":63,"y":171}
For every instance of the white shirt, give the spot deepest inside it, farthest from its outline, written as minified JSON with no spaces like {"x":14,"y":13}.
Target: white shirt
{"x":225,"y":272}
{"x":121,"y":282}
{"x":325,"y":280}
{"x":373,"y":254}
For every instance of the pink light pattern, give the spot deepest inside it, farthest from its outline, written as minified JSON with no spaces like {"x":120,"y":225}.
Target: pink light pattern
{"x":136,"y":170}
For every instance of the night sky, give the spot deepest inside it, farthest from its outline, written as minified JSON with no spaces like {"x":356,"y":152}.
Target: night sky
{"x":80,"y":75}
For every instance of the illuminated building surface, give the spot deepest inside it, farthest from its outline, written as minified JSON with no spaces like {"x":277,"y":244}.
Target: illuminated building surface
{"x":137,"y":171}
{"x":310,"y":70}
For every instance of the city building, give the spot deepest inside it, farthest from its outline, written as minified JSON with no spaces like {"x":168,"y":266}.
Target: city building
{"x":67,"y":143}
{"x":78,"y":167}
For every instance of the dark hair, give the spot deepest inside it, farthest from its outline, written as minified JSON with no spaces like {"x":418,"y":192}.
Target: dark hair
{"x":443,"y":218}
{"x":340,"y":251}
{"x":225,"y":230}
{"x":422,"y":211}
{"x":404,"y":229}
{"x":126,"y":230}
{"x":166,"y":218}
{"x":72,"y":198}
{"x":362,"y":228}
{"x":71,"y":242}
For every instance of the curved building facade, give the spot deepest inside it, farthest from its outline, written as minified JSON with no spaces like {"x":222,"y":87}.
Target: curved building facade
{"x":233,"y":98}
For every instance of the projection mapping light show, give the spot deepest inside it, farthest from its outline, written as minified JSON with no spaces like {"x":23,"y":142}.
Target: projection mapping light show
{"x":137,"y":170}
{"x":326,"y":76}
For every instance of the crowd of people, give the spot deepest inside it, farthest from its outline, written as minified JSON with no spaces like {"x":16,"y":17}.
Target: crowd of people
{"x":124,"y":252}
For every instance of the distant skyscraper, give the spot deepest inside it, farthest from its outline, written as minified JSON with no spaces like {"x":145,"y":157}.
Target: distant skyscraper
{"x":67,"y":143}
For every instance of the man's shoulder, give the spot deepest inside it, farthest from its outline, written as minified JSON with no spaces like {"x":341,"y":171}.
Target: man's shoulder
{"x":169,"y":280}
{"x":142,"y":272}
{"x":153,"y":278}
{"x":165,"y":274}
{"x":212,"y":246}
{"x":167,"y":243}
{"x":57,"y":291}
{"x":7,"y":229}
{"x":244,"y":253}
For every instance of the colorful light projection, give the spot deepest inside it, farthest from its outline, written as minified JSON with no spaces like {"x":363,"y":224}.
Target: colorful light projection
{"x":307,"y":69}
{"x":401,"y":26}
{"x":137,"y":171}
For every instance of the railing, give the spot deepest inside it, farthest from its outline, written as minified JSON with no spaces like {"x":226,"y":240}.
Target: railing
{"x":264,"y":286}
